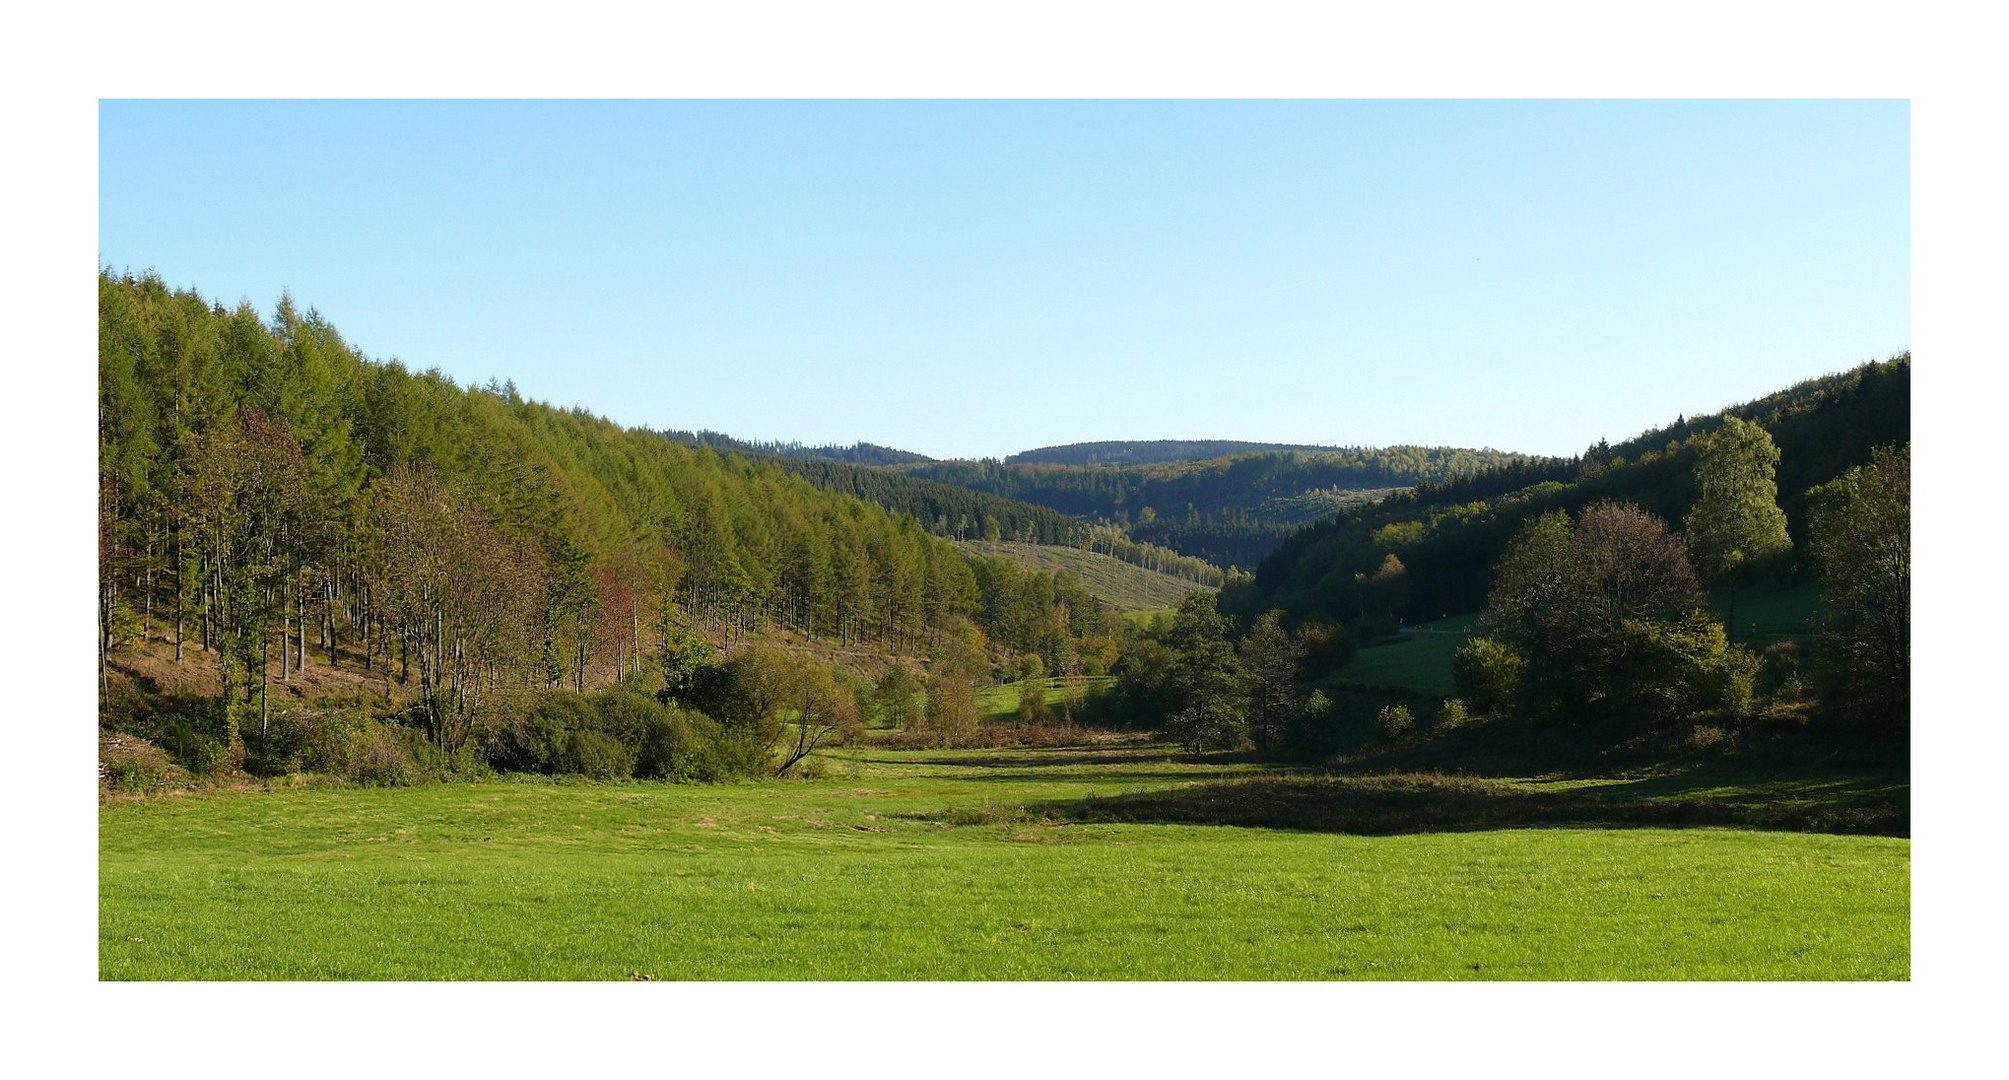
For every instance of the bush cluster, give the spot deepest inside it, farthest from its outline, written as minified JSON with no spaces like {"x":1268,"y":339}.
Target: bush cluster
{"x":1394,"y":722}
{"x":1486,"y":673}
{"x":128,"y":766}
{"x":609,"y":734}
{"x":620,"y":732}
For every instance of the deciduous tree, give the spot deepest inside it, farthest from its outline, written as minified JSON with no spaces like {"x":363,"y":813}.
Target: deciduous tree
{"x":1862,"y":540}
{"x":1736,"y":522}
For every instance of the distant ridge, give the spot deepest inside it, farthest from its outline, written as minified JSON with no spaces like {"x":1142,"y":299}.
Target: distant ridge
{"x":1154,"y":451}
{"x":863,"y":453}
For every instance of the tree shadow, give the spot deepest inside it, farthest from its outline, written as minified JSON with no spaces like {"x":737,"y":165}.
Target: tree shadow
{"x":1038,"y":758}
{"x":1104,"y":779}
{"x":1419,"y":803}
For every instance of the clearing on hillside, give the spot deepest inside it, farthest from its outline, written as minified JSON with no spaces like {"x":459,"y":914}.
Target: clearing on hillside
{"x":1124,"y":586}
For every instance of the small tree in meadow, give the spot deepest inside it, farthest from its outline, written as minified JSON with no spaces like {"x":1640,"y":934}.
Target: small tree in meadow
{"x":1485,"y":672}
{"x":895,"y":696}
{"x":1032,"y":708}
{"x":1394,"y":722}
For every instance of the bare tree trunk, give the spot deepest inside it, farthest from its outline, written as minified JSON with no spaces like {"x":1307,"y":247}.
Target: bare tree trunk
{"x":180,"y":602}
{"x":285,"y":639}
{"x":264,"y":683}
{"x":333,"y":662}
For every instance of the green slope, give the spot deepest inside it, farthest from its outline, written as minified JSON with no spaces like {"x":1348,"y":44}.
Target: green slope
{"x":1120,"y":584}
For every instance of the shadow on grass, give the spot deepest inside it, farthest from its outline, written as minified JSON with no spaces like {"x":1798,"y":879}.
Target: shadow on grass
{"x":1038,"y":758}
{"x":1415,"y":803}
{"x":1123,"y":776}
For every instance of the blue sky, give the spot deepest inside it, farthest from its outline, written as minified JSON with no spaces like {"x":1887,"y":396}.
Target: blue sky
{"x":976,"y":278}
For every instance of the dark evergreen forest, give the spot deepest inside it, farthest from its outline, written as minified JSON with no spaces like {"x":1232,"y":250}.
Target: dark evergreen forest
{"x":863,"y":453}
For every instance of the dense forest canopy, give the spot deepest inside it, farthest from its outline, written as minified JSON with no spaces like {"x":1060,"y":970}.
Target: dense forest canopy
{"x":961,"y":512}
{"x":1449,"y":534}
{"x":1230,"y":511}
{"x":863,"y":453}
{"x":266,"y":490}
{"x":1154,"y":451}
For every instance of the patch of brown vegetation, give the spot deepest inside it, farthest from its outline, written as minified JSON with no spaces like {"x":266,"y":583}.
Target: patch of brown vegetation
{"x":150,"y":668}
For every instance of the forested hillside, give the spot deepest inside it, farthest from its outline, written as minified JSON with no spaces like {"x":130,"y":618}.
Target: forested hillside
{"x":1229,"y":511}
{"x":1447,"y":536}
{"x":945,"y":509}
{"x":968,"y":514}
{"x":863,"y":453}
{"x":271,"y":496}
{"x":1152,"y":451}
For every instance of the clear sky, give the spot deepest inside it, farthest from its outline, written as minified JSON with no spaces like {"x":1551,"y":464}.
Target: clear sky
{"x":977,"y":278}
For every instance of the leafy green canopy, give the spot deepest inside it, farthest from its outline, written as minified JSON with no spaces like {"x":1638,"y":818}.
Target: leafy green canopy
{"x":1736,"y":520}
{"x":1862,"y":539}
{"x":264,"y":486}
{"x":1449,"y":534}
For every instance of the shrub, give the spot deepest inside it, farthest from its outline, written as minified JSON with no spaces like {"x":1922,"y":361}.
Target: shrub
{"x":1394,"y":722}
{"x":194,"y":731}
{"x":739,"y":753}
{"x":896,"y":697}
{"x":1326,"y":648}
{"x":625,"y":712}
{"x":619,"y":733}
{"x":1450,"y":716}
{"x":279,"y":748}
{"x":129,"y":766}
{"x":1705,"y":737}
{"x":670,"y":749}
{"x":1779,"y":674}
{"x":1311,"y":729}
{"x":383,"y":759}
{"x":1677,"y":669}
{"x":539,"y":738}
{"x":331,"y":741}
{"x":599,"y":756}
{"x":1032,"y":706}
{"x":1486,"y":673}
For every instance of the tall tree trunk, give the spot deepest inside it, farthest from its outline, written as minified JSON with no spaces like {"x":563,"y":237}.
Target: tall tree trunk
{"x":333,"y":662}
{"x":264,"y":684}
{"x":285,"y":636}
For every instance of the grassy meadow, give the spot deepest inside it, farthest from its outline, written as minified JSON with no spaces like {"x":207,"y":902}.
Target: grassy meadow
{"x":1419,"y":660}
{"x":1125,"y":861}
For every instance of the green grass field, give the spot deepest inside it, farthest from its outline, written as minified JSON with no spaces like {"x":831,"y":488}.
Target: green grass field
{"x":1420,"y":660}
{"x":1058,"y":864}
{"x":1765,"y":614}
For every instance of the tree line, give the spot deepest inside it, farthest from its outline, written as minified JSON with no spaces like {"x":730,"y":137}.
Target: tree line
{"x":1450,"y":535}
{"x":1595,"y":623}
{"x":271,"y":497}
{"x":863,"y":453}
{"x":1230,"y":511}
